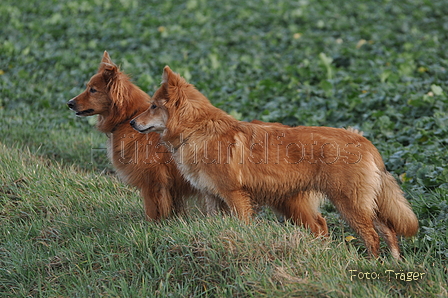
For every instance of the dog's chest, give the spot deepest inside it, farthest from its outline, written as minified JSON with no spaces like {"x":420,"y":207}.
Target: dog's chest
{"x":199,"y":178}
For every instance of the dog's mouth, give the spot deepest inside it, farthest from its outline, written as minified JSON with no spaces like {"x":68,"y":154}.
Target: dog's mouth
{"x":85,"y":112}
{"x":146,"y":130}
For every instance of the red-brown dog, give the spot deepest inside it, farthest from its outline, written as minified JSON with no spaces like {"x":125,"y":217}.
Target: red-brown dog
{"x":140,"y":160}
{"x":242,"y":163}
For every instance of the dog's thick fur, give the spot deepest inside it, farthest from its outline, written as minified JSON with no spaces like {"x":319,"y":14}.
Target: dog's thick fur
{"x":242,"y":163}
{"x":140,"y":160}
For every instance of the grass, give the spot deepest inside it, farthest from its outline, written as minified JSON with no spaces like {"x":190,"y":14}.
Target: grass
{"x":71,"y":232}
{"x":69,"y":228}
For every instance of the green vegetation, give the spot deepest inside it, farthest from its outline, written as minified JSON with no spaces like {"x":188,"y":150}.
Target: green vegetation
{"x":69,"y":228}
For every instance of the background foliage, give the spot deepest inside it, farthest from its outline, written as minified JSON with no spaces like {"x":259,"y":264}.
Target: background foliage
{"x":380,"y":66}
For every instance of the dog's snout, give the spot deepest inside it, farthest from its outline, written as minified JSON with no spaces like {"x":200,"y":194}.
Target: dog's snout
{"x":132,"y":123}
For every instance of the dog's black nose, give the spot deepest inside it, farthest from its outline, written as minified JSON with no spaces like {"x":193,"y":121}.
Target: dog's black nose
{"x":132,"y":123}
{"x":71,"y":104}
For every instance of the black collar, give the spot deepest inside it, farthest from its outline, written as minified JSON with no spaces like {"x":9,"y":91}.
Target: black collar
{"x":122,"y":122}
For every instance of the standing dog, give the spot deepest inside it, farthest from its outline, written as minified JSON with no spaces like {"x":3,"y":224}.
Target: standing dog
{"x":140,"y":160}
{"x":242,"y":163}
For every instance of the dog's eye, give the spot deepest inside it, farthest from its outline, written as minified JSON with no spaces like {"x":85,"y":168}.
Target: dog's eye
{"x":153,"y":106}
{"x":92,"y":90}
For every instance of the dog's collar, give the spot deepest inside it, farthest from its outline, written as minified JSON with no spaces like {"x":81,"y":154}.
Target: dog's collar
{"x":175,"y":148}
{"x":108,"y":134}
{"x":184,"y":141}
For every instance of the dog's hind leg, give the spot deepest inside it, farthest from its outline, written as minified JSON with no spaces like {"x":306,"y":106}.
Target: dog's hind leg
{"x":389,"y":235}
{"x":359,"y":215}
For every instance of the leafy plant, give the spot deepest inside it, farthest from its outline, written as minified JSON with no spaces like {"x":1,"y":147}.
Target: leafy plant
{"x":68,"y":227}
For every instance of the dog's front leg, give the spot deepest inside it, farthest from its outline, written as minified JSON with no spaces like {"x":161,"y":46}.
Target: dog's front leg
{"x":215,"y":204}
{"x":157,"y":202}
{"x":239,"y":203}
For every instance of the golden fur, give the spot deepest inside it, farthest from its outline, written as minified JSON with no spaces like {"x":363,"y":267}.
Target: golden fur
{"x":286,"y":168}
{"x":140,"y":160}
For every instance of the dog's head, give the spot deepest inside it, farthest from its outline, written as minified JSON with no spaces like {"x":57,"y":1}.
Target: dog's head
{"x":95,"y":99}
{"x":169,"y":94}
{"x":175,"y":107}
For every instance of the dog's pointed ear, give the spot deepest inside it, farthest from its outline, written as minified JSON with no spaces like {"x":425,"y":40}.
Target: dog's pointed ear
{"x":106,"y":58}
{"x":107,"y":67}
{"x":174,"y":85}
{"x":167,"y":75}
{"x":172,"y":79}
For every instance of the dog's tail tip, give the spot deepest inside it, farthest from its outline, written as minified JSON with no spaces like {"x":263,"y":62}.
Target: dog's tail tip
{"x":408,"y":225}
{"x":394,"y":207}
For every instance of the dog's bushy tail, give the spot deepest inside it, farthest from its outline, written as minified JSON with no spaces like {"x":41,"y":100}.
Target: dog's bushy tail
{"x":394,"y":209}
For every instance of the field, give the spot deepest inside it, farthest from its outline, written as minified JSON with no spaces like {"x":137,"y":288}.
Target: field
{"x":70,"y":228}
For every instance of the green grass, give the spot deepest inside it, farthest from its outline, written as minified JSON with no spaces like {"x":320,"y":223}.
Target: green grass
{"x":71,"y":232}
{"x":69,"y":228}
